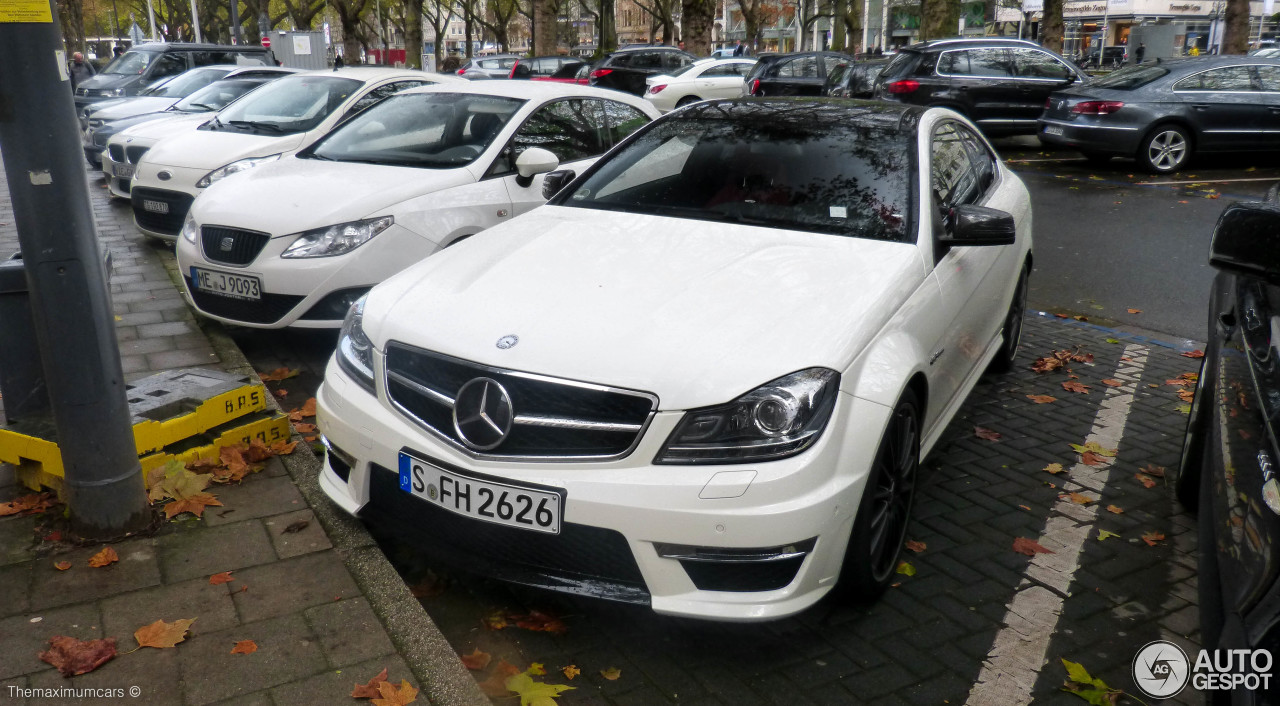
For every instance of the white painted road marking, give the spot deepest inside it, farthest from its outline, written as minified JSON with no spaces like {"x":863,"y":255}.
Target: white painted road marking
{"x":1202,"y":181}
{"x":1012,"y":666}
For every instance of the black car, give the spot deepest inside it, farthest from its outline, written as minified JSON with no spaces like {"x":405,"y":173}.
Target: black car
{"x":1162,"y":113}
{"x":1000,"y":84}
{"x":795,"y":74}
{"x":1113,"y":56}
{"x":134,"y":70}
{"x":545,"y":67}
{"x":626,"y":69}
{"x":854,"y":79}
{"x":1229,"y":458}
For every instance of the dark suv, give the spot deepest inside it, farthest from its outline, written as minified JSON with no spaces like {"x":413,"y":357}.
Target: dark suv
{"x":626,"y":69}
{"x":1000,"y":84}
{"x":797,"y":74}
{"x":142,"y":66}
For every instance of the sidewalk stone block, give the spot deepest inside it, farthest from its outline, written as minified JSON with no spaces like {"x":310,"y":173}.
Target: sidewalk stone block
{"x":255,"y":497}
{"x":210,"y":605}
{"x":136,"y":569}
{"x":310,"y":539}
{"x":23,"y":640}
{"x":332,"y":687}
{"x":189,"y":358}
{"x":200,"y":551}
{"x":348,"y":631}
{"x":287,"y":651}
{"x":291,"y":585}
{"x":151,"y":670}
{"x":16,"y":537}
{"x":15,"y":583}
{"x":259,"y":698}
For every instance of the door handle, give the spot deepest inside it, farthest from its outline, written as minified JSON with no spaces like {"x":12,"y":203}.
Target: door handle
{"x":1200,"y":106}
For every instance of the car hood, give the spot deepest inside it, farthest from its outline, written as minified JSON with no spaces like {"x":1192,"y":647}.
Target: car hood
{"x":101,"y":81}
{"x":695,"y":312}
{"x":210,"y":149}
{"x":134,"y":106}
{"x":294,"y":195}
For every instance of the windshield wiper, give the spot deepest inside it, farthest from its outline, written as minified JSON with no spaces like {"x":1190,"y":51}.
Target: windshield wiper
{"x":315,"y":155}
{"x":251,"y":125}
{"x":206,"y":106}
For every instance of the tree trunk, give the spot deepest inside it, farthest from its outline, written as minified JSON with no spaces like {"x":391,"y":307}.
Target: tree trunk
{"x":544,"y":27}
{"x":608,"y":27}
{"x":413,"y":34}
{"x":1052,"y":27}
{"x":71,"y":15}
{"x":698,"y":17}
{"x":838,"y":38}
{"x":468,"y":26}
{"x":939,"y":19}
{"x":1235,"y":36}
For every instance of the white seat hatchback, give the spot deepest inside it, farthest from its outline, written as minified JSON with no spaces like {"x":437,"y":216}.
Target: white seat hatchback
{"x":296,"y":242}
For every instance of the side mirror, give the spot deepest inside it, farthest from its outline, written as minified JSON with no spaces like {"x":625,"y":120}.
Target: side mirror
{"x":532,"y":162}
{"x":979,"y":225}
{"x":1246,"y":240}
{"x":555,"y":181}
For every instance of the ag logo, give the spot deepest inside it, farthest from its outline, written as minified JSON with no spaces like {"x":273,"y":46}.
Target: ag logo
{"x":1161,"y":669}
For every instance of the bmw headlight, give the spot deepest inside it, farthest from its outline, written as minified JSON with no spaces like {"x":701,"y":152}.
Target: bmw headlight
{"x":236,"y":167}
{"x":773,"y":421}
{"x":337,"y":240}
{"x":355,"y":352}
{"x":189,"y":229}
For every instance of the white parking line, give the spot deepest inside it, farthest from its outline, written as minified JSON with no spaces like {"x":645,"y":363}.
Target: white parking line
{"x":1045,"y":159}
{"x":1205,"y":181}
{"x":1013,"y":664}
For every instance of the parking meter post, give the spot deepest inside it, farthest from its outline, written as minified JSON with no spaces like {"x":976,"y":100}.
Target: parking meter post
{"x":70,"y":305}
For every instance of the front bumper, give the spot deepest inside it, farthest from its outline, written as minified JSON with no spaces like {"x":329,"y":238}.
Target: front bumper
{"x":629,"y":506}
{"x":175,"y":187}
{"x":1090,"y":136}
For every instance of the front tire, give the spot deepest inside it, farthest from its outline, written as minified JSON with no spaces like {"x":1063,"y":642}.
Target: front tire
{"x":1012,"y":331}
{"x":880,"y":528}
{"x":1165,"y":149}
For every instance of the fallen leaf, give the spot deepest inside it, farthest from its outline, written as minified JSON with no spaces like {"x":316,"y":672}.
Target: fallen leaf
{"x":1193,"y":354}
{"x":1186,"y":395}
{"x":536,"y":693}
{"x":1024,"y":507}
{"x":282,"y":447}
{"x":495,"y":621}
{"x":296,"y":527}
{"x":194,"y":505}
{"x":28,"y":504}
{"x":1054,"y":468}
{"x":1113,"y":340}
{"x":906,"y":569}
{"x":1152,"y":538}
{"x":915,"y":546}
{"x":278,"y":374}
{"x":395,"y":696}
{"x":1081,"y":317}
{"x":219,"y":579}
{"x":103,"y":558}
{"x":161,"y":634}
{"x":1115,"y":510}
{"x":1030,"y":547}
{"x":62,"y":565}
{"x":570,"y":672}
{"x":1135,"y":311}
{"x":244,"y":647}
{"x":987,"y":434}
{"x":280,"y":393}
{"x":1047,"y":364}
{"x":496,"y":685}
{"x":72,"y":656}
{"x":1090,"y":458}
{"x":1103,"y":534}
{"x":370,"y":690}
{"x":304,"y":428}
{"x":308,"y":409}
{"x":54,"y":536}
{"x":1146,"y":480}
{"x":477,"y":660}
{"x":1080,"y":498}
{"x":1153,"y":470}
{"x":1112,"y":382}
{"x":612,"y":673}
{"x":1184,"y":202}
{"x":1042,"y":399}
{"x":1095,"y":447}
{"x":1092,"y":690}
{"x":1076,"y":387}
{"x":430,"y":586}
{"x":540,"y":622}
{"x":536,"y":669}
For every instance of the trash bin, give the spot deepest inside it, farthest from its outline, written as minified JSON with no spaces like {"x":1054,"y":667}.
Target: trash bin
{"x":22,"y":385}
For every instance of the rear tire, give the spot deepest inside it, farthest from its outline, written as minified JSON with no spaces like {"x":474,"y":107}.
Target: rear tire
{"x":686,"y":101}
{"x":880,"y":528}
{"x":1012,"y":331}
{"x":1165,"y":150}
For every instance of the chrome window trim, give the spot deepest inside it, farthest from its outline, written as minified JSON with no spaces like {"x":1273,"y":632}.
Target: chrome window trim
{"x":1013,"y":77}
{"x":1175,"y":88}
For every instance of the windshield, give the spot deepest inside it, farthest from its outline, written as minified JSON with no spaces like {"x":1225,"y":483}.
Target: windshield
{"x":188,"y":83}
{"x":291,"y":104}
{"x":1130,"y":77}
{"x":216,"y":95}
{"x":428,"y":130}
{"x":132,"y":63}
{"x":800,"y":167}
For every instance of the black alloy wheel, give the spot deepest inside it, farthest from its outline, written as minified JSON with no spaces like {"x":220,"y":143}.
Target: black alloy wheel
{"x":1012,"y":331}
{"x":880,"y":528}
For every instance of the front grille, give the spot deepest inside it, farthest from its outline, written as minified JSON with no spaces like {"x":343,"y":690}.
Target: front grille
{"x":555,"y":419}
{"x":267,"y":310}
{"x":232,"y":246}
{"x":135,"y":153}
{"x":116,"y":152}
{"x":166,"y":223}
{"x":581,"y":559}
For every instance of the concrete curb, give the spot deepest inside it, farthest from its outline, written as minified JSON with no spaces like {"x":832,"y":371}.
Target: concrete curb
{"x":441,"y":675}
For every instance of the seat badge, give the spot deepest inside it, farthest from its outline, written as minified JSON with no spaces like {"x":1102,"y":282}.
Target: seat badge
{"x":226,"y":244}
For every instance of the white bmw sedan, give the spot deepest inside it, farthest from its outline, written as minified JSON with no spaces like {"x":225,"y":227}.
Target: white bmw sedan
{"x":296,"y":242}
{"x":703,"y":376}
{"x":703,"y":80}
{"x":274,"y":122}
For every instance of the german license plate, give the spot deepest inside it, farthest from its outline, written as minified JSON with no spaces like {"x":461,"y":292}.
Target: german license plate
{"x":499,"y":503}
{"x":155,"y":206}
{"x":125,"y":171}
{"x":1052,"y":130}
{"x":227,"y":284}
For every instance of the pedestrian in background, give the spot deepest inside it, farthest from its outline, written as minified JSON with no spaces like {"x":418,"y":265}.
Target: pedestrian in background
{"x":740,"y":49}
{"x":1195,"y":51}
{"x":81,"y":70}
{"x":1140,"y":52}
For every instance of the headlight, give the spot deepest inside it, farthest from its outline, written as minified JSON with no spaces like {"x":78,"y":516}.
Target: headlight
{"x":190,"y":229}
{"x":235,"y":167}
{"x":776,"y":420}
{"x":355,"y":352}
{"x":113,"y":92}
{"x":337,"y":240}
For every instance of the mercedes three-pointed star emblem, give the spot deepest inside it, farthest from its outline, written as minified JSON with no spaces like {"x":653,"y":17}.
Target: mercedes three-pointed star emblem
{"x":482,"y":414}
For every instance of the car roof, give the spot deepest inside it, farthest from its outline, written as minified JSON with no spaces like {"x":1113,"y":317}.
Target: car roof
{"x":192,"y":46}
{"x":528,"y":90}
{"x":972,"y":41}
{"x":658,"y":47}
{"x":264,"y":71}
{"x":553,"y":56}
{"x":788,"y":55}
{"x":899,"y":117}
{"x":377,"y":73}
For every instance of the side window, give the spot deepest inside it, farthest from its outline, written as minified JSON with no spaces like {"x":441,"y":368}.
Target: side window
{"x":621,"y":120}
{"x":203,"y":58}
{"x":1037,"y":64}
{"x":984,"y":163}
{"x":1270,"y":77}
{"x":726,"y":70}
{"x":620,"y":60}
{"x":169,"y":65}
{"x":991,"y":63}
{"x":648,"y":60}
{"x":830,"y":63}
{"x":381,"y":92}
{"x":672,"y":60}
{"x":954,"y":182}
{"x":799,"y":67}
{"x":1228,"y":78}
{"x":570,"y":129}
{"x":955,"y":63}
